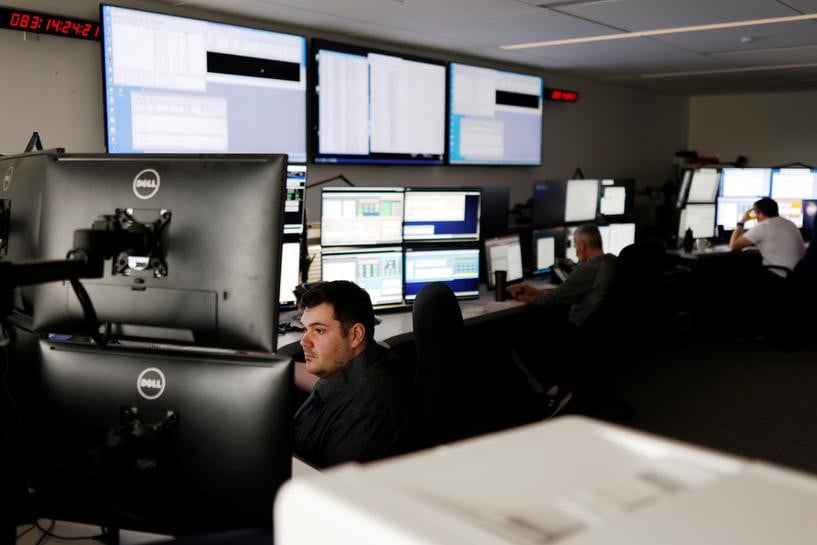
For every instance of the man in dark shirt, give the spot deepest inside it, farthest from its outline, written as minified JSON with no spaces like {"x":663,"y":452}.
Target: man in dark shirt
{"x":359,"y":407}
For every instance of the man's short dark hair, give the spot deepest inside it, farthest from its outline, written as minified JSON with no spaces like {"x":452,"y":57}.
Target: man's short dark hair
{"x":350,"y":303}
{"x":590,"y":234}
{"x":767,"y":206}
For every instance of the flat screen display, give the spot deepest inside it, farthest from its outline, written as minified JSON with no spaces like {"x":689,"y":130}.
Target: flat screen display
{"x":360,"y":216}
{"x":730,"y":210}
{"x":377,"y":107}
{"x":698,"y":217}
{"x":378,"y":271}
{"x":290,"y":272}
{"x":456,"y":267}
{"x":504,"y":254}
{"x":294,"y":205}
{"x":616,"y":197}
{"x":549,"y":203}
{"x":616,"y":236}
{"x":704,"y":186}
{"x":794,"y":183}
{"x":746,"y":182}
{"x":548,"y":245}
{"x":441,"y":214}
{"x":494,"y":117}
{"x":581,"y":200}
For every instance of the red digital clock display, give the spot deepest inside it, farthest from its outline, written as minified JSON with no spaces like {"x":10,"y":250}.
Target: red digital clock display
{"x":561,"y":95}
{"x":42,"y":23}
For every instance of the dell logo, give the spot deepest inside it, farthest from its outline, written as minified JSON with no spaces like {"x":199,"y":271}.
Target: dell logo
{"x":151,"y":383}
{"x":146,"y":184}
{"x":7,"y":178}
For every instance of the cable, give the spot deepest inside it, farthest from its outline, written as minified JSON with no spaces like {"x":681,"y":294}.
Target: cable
{"x":45,"y":532}
{"x":49,"y":533}
{"x":332,"y":179}
{"x":27,"y":530}
{"x":91,"y":320}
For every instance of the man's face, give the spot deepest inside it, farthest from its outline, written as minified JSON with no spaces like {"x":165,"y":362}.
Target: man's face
{"x":326,"y":348}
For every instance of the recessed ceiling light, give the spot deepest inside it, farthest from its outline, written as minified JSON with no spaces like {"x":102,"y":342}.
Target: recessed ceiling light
{"x":663,"y":31}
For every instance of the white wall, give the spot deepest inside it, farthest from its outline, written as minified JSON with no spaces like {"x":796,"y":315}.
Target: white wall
{"x":54,"y":86}
{"x":769,"y":129}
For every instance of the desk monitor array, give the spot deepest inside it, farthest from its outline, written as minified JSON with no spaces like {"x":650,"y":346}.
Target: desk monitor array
{"x":180,"y":261}
{"x":571,"y":202}
{"x":394,"y":241}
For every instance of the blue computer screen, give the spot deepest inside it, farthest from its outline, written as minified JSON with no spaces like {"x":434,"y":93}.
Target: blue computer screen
{"x":440,"y":215}
{"x":458,"y":268}
{"x":378,"y":271}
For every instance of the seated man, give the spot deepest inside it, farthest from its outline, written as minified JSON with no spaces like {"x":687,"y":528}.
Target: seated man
{"x":359,"y":407}
{"x":778,"y":240}
{"x":584,"y":289}
{"x":568,"y":308}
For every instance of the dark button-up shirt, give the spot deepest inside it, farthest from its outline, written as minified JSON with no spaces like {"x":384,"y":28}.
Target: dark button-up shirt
{"x":360,"y":413}
{"x":584,"y":289}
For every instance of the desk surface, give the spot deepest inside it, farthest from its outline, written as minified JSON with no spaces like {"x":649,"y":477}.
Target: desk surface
{"x":396,"y":326}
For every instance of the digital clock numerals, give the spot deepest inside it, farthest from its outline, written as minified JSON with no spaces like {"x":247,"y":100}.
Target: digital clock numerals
{"x":33,"y":22}
{"x":25,"y":21}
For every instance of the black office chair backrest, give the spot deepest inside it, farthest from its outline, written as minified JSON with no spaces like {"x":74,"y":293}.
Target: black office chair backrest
{"x":439,"y":338}
{"x":637,"y":293}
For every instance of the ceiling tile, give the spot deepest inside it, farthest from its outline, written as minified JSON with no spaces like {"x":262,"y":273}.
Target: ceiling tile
{"x":806,"y":6}
{"x":788,"y":55}
{"x":761,"y":36}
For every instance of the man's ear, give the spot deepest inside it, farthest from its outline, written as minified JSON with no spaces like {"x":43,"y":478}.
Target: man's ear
{"x":358,"y":334}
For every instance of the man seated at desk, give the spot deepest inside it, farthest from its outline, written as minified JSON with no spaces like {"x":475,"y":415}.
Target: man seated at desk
{"x":778,"y":240}
{"x":359,"y":406}
{"x":568,"y":308}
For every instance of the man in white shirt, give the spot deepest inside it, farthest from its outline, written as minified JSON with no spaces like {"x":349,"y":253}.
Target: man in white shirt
{"x":778,"y":240}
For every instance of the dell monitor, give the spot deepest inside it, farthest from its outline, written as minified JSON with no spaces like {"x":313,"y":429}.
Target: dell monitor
{"x":700,"y":218}
{"x":377,"y":106}
{"x":617,"y":236}
{"x":379,"y":271}
{"x":616,"y":198}
{"x":794,"y":183}
{"x":361,"y":216}
{"x":549,"y":203}
{"x":704,"y":186}
{"x":166,"y":442}
{"x":294,"y":204}
{"x":548,"y":246}
{"x":746,"y":182}
{"x":581,"y":200}
{"x":504,"y":254}
{"x":495,"y":202}
{"x":180,"y":85}
{"x":458,"y":268}
{"x":290,"y":275}
{"x":494,"y":117}
{"x":209,"y":273}
{"x":440,"y":215}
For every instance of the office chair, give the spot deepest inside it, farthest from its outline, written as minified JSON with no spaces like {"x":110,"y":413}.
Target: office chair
{"x":439,"y":341}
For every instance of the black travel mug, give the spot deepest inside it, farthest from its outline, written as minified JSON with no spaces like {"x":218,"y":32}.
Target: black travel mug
{"x":501,"y":284}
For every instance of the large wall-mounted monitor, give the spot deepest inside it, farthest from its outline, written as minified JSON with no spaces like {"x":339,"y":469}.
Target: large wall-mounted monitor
{"x":456,"y":267}
{"x":441,"y":215}
{"x":379,"y":271}
{"x":704,"y":186}
{"x":581,"y":200}
{"x":746,"y":182}
{"x":700,"y":218}
{"x":377,"y":107}
{"x":204,"y":265}
{"x":504,"y":254}
{"x":794,"y":183}
{"x":361,"y":216}
{"x":180,"y":85}
{"x":494,"y":117}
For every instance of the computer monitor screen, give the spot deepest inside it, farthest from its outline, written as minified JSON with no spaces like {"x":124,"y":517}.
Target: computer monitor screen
{"x":294,"y":205}
{"x":616,"y":197}
{"x":360,"y":216}
{"x":377,"y":106}
{"x":179,"y":85}
{"x":441,"y":214}
{"x":167,"y":442}
{"x":704,"y":186}
{"x":549,"y":203}
{"x":495,"y":202}
{"x":456,"y":267}
{"x":378,"y":271}
{"x":746,"y":182}
{"x":700,"y":218}
{"x":548,"y":245}
{"x":504,"y":254}
{"x":581,"y":200}
{"x":686,"y":180}
{"x":731,"y":209}
{"x":617,"y":236}
{"x":794,"y":183}
{"x":792,"y":210}
{"x":207,"y":269}
{"x":494,"y":117}
{"x":570,"y":249}
{"x":290,"y":271}
{"x":809,"y":216}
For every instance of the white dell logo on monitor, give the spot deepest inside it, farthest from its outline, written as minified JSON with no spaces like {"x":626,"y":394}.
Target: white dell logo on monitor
{"x":151,"y":383}
{"x":146,"y":183}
